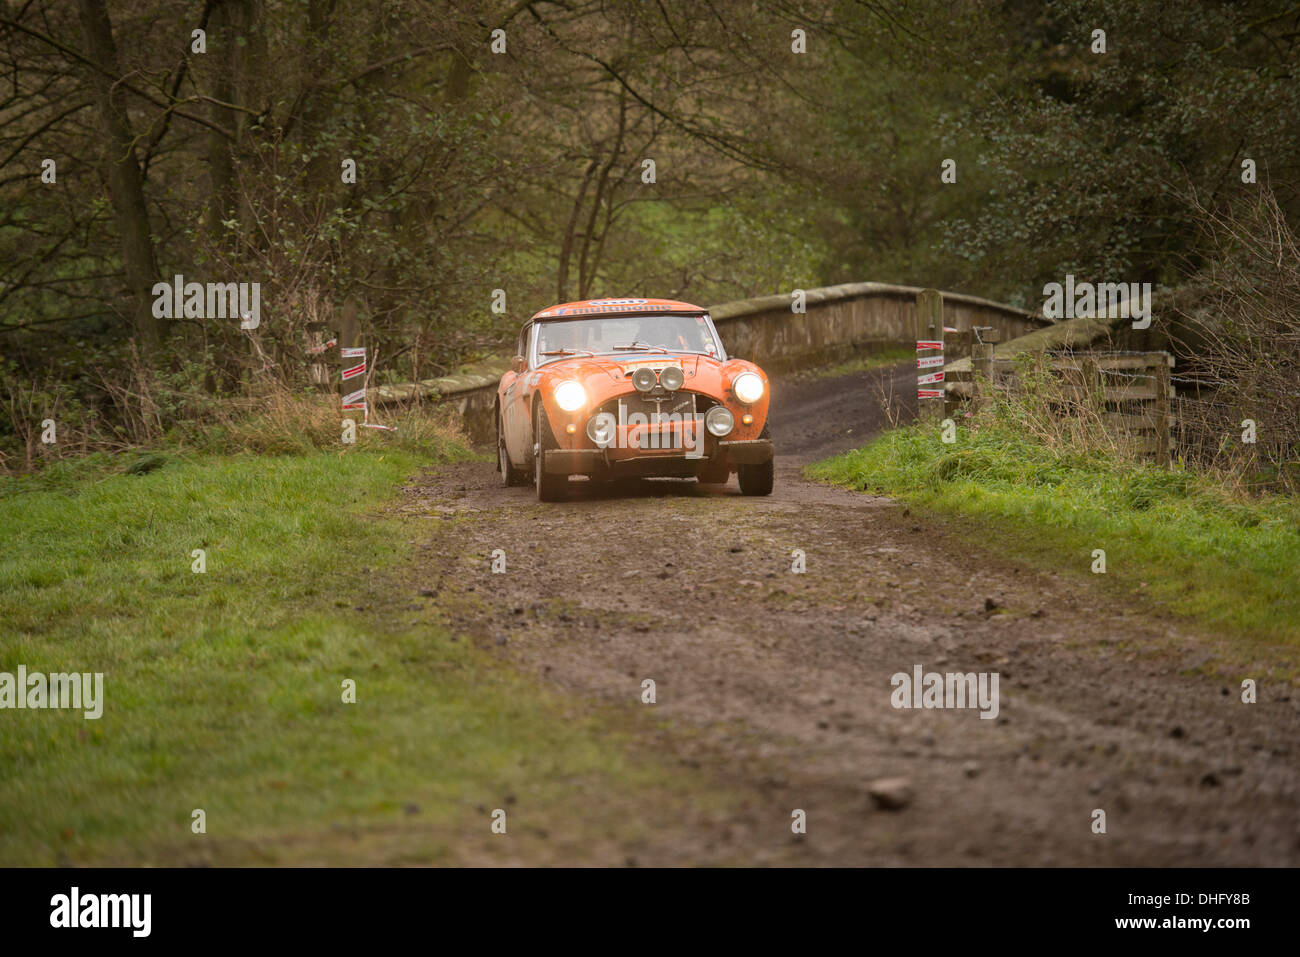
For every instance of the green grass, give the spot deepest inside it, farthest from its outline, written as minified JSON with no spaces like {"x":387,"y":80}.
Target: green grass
{"x":1182,"y":541}
{"x":863,"y":363}
{"x":223,"y":689}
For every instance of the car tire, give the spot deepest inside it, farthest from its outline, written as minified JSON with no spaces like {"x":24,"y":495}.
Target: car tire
{"x":511,"y":477}
{"x":756,"y":479}
{"x":550,"y":487}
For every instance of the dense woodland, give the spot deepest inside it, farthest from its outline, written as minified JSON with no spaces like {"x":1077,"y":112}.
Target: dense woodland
{"x":705,"y":150}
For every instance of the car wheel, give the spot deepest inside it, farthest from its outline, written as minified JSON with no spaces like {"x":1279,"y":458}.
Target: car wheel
{"x":550,"y":487}
{"x":511,"y":477}
{"x":756,"y":479}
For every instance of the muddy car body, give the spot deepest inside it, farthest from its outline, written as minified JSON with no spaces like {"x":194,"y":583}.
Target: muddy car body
{"x":612,"y":388}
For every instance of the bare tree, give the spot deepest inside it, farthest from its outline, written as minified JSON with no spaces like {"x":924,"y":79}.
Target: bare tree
{"x":1243,"y":339}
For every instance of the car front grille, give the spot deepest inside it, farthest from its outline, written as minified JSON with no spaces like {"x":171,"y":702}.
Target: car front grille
{"x":666,"y":436}
{"x":667,"y":403}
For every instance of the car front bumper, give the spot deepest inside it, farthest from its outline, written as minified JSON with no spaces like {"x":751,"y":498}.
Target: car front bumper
{"x":590,"y":461}
{"x":747,"y":451}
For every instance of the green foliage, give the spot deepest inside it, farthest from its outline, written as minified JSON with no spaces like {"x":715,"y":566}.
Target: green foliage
{"x":524,"y":172}
{"x":1068,"y":161}
{"x":144,"y":464}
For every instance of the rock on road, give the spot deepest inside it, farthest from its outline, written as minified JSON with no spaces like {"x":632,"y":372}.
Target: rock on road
{"x":778,"y":684}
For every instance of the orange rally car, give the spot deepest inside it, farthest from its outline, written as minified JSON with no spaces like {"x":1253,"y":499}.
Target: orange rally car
{"x":630,"y":387}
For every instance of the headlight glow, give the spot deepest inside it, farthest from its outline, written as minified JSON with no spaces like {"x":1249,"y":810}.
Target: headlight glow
{"x":748,"y":387}
{"x":570,"y":396}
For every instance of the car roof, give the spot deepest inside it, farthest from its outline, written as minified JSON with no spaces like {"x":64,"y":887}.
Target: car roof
{"x":595,"y":308}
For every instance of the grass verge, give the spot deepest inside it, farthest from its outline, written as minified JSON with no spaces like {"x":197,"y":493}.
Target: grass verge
{"x":1182,"y":541}
{"x":862,"y":363}
{"x":223,"y":690}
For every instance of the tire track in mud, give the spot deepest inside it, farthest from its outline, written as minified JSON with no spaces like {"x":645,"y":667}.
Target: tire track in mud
{"x":778,"y":684}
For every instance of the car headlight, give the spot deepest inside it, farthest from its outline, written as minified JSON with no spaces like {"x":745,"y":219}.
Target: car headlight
{"x":601,"y":428}
{"x":570,"y":396}
{"x":748,"y":387}
{"x":671,"y":378}
{"x":719,"y":421}
{"x":644,"y":379}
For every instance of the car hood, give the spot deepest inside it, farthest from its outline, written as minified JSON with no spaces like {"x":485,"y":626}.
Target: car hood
{"x":618,"y":367}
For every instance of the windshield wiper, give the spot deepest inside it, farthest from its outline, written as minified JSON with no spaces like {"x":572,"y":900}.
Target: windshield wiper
{"x":635,"y":346}
{"x":567,"y":352}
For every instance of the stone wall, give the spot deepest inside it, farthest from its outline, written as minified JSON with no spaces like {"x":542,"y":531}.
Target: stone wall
{"x":843,"y":320}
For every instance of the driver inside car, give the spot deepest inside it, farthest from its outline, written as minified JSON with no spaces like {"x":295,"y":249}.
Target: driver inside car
{"x":674,"y":340}
{"x":561,"y":336}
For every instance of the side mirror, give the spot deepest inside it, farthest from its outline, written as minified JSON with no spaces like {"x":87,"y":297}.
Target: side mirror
{"x":519,"y":364}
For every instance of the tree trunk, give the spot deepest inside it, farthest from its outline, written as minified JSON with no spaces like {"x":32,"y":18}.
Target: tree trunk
{"x":566,"y":242}
{"x":322,"y":171}
{"x":124,"y":179}
{"x":586,"y":278}
{"x":221,"y":165}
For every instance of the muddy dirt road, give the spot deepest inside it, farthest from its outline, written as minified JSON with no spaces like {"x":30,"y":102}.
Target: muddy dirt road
{"x":778,"y":684}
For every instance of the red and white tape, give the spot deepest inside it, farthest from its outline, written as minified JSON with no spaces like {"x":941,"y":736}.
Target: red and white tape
{"x":929,"y":362}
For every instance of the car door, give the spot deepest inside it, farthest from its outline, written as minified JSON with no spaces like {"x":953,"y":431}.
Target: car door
{"x":514,"y":406}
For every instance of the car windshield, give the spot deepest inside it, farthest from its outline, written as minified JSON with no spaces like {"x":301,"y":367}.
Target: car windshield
{"x":625,"y":335}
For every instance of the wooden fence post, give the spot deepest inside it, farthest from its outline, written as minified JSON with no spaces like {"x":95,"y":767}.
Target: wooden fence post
{"x":981,"y":365}
{"x":1164,"y":389}
{"x":929,"y":328}
{"x":958,"y":344}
